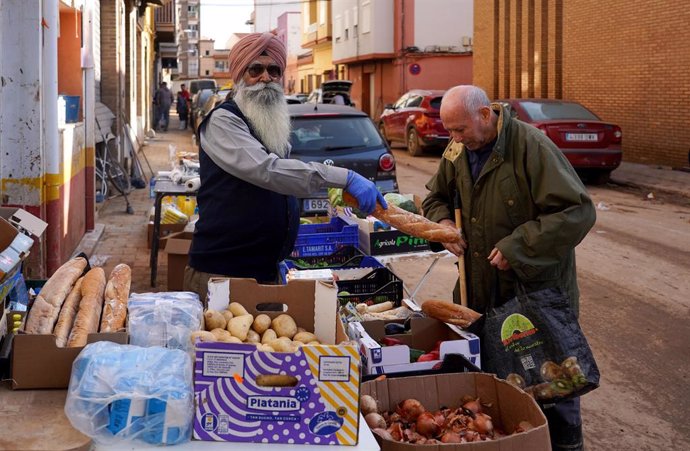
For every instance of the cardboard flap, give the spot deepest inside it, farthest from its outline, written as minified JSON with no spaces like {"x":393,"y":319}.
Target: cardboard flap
{"x":22,"y":218}
{"x":300,"y":298}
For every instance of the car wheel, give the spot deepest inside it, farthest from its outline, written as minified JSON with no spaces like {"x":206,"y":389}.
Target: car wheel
{"x":382,"y":132}
{"x":413,"y":146}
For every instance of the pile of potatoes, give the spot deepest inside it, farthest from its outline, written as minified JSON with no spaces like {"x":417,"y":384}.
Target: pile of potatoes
{"x":236,"y":325}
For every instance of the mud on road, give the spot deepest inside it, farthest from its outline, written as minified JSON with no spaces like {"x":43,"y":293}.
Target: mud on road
{"x":634,"y":277}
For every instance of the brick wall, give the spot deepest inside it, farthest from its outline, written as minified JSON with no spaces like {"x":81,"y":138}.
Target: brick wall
{"x":628,"y":61}
{"x":109,"y":50}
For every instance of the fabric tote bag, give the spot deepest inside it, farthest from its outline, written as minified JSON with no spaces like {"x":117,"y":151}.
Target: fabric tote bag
{"x":535,"y":342}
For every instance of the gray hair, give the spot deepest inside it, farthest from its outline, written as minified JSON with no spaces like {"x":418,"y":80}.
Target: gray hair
{"x":470,"y":97}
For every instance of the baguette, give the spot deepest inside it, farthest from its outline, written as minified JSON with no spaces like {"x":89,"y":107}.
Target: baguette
{"x":449,"y":312}
{"x":42,"y":320}
{"x":410,"y":223}
{"x":115,"y":302}
{"x":89,"y":314}
{"x":67,"y":315}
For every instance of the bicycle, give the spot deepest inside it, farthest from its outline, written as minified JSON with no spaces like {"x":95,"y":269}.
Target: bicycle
{"x":110,"y":173}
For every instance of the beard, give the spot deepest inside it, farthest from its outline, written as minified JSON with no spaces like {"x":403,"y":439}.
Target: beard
{"x":265,"y":107}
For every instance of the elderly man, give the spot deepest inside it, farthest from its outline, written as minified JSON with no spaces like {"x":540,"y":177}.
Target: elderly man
{"x":524,"y":210}
{"x":248,"y":213}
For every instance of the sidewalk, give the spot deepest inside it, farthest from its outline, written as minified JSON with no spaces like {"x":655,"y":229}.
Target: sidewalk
{"x":122,"y":238}
{"x":655,"y":179}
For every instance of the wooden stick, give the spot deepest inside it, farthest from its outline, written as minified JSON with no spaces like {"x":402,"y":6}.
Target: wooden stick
{"x":461,"y":262}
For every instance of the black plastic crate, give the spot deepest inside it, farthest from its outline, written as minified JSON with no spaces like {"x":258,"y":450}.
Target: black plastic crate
{"x":452,"y":363}
{"x":380,"y":285}
{"x":343,"y":258}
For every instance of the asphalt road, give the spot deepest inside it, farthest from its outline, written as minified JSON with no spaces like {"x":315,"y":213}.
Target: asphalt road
{"x":634,"y":276}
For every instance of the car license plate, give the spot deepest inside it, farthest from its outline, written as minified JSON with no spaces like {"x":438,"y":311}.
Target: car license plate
{"x":587,"y":137}
{"x":316,"y":204}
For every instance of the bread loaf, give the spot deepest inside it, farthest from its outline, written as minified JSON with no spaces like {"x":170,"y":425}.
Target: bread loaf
{"x":67,"y":315}
{"x":449,"y":312}
{"x":410,"y":223}
{"x":89,"y":313}
{"x":42,"y":320}
{"x":116,"y":295}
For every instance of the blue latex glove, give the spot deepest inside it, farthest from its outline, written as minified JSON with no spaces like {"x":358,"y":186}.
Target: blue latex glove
{"x":364,"y":191}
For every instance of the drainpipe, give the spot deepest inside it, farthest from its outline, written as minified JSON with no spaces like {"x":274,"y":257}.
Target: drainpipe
{"x":89,"y":101}
{"x":49,"y":81}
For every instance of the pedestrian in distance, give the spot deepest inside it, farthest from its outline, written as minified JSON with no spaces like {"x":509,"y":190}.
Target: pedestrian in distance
{"x":182,"y":110}
{"x":248,"y":211}
{"x":163,"y":99}
{"x":524,"y":209}
{"x":184,"y":99}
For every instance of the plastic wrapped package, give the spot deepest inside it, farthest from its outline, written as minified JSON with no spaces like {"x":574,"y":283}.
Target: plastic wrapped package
{"x":164,"y":319}
{"x":124,"y":392}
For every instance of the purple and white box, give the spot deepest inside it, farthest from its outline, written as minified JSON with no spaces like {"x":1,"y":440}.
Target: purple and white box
{"x":322,"y":408}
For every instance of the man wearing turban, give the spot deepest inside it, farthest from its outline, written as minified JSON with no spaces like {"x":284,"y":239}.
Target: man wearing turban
{"x":248,"y":211}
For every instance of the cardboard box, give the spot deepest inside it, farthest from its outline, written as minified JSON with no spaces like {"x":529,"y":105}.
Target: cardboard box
{"x":165,"y":230}
{"x":16,"y":229}
{"x":38,"y":363}
{"x":508,"y":406}
{"x":321,"y":408}
{"x":384,"y":242}
{"x":177,"y":248}
{"x":424,"y":333}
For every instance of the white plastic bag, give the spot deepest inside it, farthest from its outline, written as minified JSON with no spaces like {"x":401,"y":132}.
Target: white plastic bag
{"x":164,"y":319}
{"x":124,"y":392}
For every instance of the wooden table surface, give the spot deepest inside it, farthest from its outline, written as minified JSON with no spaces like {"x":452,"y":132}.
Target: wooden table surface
{"x":35,"y":420}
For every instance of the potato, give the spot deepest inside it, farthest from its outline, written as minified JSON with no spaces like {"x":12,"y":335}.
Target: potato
{"x":283,"y":344}
{"x":227,"y":314}
{"x":202,"y":335}
{"x":284,"y":326}
{"x":305,"y":337}
{"x":313,"y":343}
{"x":232,"y":339}
{"x":253,"y":337}
{"x":221,"y":334}
{"x":214,"y":320}
{"x":239,"y":326}
{"x":237,"y":309}
{"x":301,"y":329}
{"x":261,"y":323}
{"x":268,"y":336}
{"x":265,"y":348}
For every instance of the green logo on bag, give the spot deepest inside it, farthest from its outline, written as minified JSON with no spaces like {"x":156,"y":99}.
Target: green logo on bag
{"x":516,"y":327}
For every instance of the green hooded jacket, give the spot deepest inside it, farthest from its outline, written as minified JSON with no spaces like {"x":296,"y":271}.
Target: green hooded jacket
{"x":527,"y":201}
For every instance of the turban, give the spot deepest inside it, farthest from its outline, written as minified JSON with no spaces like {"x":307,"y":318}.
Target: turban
{"x":251,"y":47}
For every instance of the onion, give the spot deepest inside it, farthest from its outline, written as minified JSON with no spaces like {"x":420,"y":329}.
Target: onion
{"x":410,"y":409}
{"x":368,"y":405}
{"x":384,"y":434}
{"x":482,"y":423}
{"x":439,"y":417}
{"x":427,"y":425}
{"x":451,"y":437}
{"x":375,"y":421}
{"x":395,"y":431}
{"x":473,"y":405}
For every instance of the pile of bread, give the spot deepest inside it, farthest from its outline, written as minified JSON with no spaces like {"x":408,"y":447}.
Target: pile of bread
{"x":70,"y":303}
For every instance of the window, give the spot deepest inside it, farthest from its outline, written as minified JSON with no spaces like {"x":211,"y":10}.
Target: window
{"x":207,"y":53}
{"x":366,"y":17}
{"x":207,"y":73}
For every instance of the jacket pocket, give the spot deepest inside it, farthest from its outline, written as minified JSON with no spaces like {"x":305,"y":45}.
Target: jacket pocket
{"x":512,"y":202}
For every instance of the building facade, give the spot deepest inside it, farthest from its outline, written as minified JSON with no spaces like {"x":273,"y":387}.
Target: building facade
{"x":388,"y":47}
{"x":619,"y":61}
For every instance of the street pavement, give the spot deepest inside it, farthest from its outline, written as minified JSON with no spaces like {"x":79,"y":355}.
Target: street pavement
{"x":120,"y":237}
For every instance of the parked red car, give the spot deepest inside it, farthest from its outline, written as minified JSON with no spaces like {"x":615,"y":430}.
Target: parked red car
{"x":591,"y":145}
{"x":414,"y":119}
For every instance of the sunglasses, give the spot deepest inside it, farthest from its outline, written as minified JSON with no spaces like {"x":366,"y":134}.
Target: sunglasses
{"x":257,"y":69}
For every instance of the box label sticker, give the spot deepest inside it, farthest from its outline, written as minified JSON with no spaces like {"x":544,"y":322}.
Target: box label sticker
{"x":334,"y":368}
{"x":220,"y":364}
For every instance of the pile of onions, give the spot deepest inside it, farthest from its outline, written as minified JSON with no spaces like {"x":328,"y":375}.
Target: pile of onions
{"x":413,"y":423}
